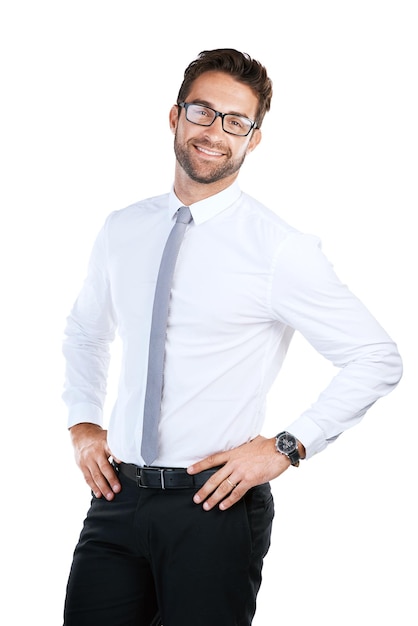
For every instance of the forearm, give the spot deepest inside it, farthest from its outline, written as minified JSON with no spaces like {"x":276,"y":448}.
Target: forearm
{"x":87,"y":365}
{"x":347,"y":398}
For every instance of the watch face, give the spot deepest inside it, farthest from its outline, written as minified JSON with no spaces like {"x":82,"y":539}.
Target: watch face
{"x":286,"y":443}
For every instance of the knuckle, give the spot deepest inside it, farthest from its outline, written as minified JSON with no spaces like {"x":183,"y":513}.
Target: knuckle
{"x":236,"y":495}
{"x":211,"y":483}
{"x":97,"y":476}
{"x":224,"y":489}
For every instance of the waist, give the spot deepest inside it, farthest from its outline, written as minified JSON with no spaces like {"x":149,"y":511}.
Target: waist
{"x":164,"y":477}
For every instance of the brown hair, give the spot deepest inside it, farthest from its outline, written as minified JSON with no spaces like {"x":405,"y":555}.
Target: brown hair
{"x":240,"y":66}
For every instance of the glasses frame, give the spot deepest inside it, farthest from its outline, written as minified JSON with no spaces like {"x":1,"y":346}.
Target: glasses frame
{"x":186,"y":105}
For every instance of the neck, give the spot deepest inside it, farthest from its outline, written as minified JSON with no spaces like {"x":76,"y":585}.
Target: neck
{"x":189,"y":191}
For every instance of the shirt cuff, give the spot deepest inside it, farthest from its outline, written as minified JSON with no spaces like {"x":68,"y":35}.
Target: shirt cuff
{"x":84,"y":412}
{"x":309,"y":434}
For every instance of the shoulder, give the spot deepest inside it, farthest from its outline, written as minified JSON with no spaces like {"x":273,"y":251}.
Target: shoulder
{"x":135,"y":218}
{"x":282,"y":236}
{"x":142,"y":209}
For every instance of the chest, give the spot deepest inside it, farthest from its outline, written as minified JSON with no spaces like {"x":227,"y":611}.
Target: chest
{"x":220,"y":278}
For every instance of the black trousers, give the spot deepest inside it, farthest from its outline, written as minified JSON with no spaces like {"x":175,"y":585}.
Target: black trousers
{"x":153,"y":556}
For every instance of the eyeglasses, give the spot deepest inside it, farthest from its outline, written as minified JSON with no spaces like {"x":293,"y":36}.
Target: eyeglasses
{"x":205,"y":116}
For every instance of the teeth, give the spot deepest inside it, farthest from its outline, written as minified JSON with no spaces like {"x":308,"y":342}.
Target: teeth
{"x":209,"y":152}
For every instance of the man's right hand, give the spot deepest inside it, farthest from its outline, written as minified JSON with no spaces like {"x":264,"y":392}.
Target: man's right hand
{"x":92,"y":456}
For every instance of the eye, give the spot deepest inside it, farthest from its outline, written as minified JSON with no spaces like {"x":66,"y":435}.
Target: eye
{"x":237,"y":124}
{"x":201,"y":111}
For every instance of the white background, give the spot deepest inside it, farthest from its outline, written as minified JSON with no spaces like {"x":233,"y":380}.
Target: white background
{"x":85,"y":92}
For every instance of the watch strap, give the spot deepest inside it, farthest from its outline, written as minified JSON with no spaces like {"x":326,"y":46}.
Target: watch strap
{"x":294,"y":458}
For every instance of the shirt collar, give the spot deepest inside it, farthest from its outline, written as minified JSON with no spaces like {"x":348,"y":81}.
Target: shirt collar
{"x":209,"y":207}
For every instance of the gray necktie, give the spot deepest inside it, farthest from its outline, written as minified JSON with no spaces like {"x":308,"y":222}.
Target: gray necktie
{"x":152,"y":406}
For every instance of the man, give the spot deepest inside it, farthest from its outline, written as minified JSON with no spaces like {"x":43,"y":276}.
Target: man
{"x":179,"y":538}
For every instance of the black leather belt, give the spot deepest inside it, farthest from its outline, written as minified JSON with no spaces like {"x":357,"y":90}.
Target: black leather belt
{"x":164,"y":477}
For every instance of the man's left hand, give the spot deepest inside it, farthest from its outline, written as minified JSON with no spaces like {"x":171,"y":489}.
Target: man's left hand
{"x":251,"y":464}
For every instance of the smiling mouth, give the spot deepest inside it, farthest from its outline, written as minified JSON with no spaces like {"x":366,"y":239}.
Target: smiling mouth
{"x":209,"y":152}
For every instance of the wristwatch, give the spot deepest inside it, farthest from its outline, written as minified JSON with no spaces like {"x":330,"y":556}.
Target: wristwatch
{"x":287,"y":444}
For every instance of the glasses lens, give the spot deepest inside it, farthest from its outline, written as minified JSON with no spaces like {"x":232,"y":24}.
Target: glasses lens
{"x":198,"y":114}
{"x":204,"y":116}
{"x":237,"y":125}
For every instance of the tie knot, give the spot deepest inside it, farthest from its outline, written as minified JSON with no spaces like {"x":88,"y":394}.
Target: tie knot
{"x":184,"y":215}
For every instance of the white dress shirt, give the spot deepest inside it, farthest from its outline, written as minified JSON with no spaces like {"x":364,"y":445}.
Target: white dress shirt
{"x":244,"y":281}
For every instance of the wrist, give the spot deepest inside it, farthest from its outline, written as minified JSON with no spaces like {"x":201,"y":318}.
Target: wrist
{"x":84,"y":430}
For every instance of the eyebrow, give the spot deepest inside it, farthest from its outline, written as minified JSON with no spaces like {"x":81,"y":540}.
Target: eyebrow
{"x":205,"y":103}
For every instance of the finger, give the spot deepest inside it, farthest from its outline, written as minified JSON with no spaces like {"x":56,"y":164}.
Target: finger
{"x":209,"y":486}
{"x":235,"y":495}
{"x":211,"y":461}
{"x":225,"y":496}
{"x":232,"y":485}
{"x":111,"y":476}
{"x":216,"y":489}
{"x":104,"y":481}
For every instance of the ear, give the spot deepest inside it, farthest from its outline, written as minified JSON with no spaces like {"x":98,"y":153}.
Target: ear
{"x":173,"y":118}
{"x":254,"y":141}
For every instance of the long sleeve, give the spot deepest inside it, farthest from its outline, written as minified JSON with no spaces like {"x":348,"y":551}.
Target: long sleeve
{"x":89,"y":331}
{"x":308,"y":296}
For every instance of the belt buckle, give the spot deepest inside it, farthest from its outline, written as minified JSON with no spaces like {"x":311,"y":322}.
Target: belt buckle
{"x":139,"y":482}
{"x":139,"y":471}
{"x":162,"y":477}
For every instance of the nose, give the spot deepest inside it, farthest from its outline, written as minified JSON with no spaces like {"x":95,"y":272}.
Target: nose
{"x":216,"y":127}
